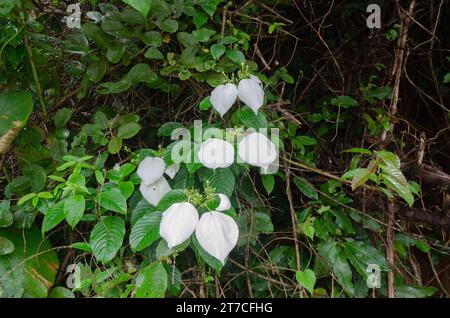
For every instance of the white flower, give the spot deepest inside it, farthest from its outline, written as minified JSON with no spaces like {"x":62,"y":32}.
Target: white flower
{"x":216,"y":153}
{"x":257,"y":150}
{"x":172,"y":170}
{"x":224,"y":204}
{"x":151,"y":169}
{"x":116,"y":167}
{"x":178,"y":223}
{"x":217,"y":233}
{"x":154,"y":192}
{"x":223,"y":97}
{"x":250,"y":91}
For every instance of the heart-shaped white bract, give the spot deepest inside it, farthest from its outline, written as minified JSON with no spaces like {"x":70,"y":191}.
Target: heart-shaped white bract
{"x":151,"y":169}
{"x":250,"y":91}
{"x":217,"y":233}
{"x":257,"y":150}
{"x":216,"y":153}
{"x":223,"y":97}
{"x":224,"y":204}
{"x":154,"y":192}
{"x":178,"y":223}
{"x":172,"y":170}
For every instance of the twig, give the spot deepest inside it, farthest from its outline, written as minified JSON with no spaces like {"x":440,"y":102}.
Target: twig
{"x":293,"y":216}
{"x":261,"y":57}
{"x":390,"y":249}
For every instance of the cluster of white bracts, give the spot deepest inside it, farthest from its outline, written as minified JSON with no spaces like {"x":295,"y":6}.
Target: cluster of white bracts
{"x":153,"y":183}
{"x":254,"y":149}
{"x":249,"y":91}
{"x":216,"y":232}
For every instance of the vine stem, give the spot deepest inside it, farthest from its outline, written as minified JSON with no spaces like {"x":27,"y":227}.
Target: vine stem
{"x":293,"y":216}
{"x":35,"y":76}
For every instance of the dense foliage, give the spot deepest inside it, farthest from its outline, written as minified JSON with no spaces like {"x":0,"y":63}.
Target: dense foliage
{"x":358,"y":116}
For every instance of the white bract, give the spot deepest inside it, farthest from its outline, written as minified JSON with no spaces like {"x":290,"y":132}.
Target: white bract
{"x":223,"y":97}
{"x":151,"y":169}
{"x":154,"y":192}
{"x":250,"y":91}
{"x":257,"y":150}
{"x":224,"y":204}
{"x":172,"y":170}
{"x":217,"y":233}
{"x":216,"y":153}
{"x":178,"y":223}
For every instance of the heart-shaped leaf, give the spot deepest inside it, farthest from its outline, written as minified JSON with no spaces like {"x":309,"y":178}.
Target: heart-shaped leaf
{"x":307,"y":279}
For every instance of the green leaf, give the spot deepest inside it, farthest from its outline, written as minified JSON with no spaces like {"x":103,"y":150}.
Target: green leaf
{"x":55,"y":215}
{"x":107,"y":237}
{"x":361,"y":254}
{"x":169,"y":25}
{"x":141,"y":73}
{"x":126,"y":188}
{"x":95,"y":33}
{"x":203,"y":34}
{"x":143,"y":6}
{"x":414,"y":291}
{"x":360,"y":177}
{"x":344,"y":101}
{"x":6,"y":217}
{"x":336,"y":260}
{"x":200,"y":19}
{"x":6,"y":246}
{"x":163,"y":250}
{"x":145,"y":231}
{"x":251,"y":120}
{"x":395,"y":180}
{"x":96,"y":70}
{"x":307,"y":279}
{"x":151,"y":282}
{"x":62,"y":116}
{"x":210,"y":6}
{"x":390,"y":159}
{"x":152,"y":38}
{"x":217,"y":50}
{"x":166,"y":129}
{"x":268,"y":181}
{"x":236,"y":56}
{"x":229,"y":40}
{"x":115,"y":53}
{"x":153,"y":54}
{"x":359,"y":150}
{"x":447,"y":78}
{"x":262,"y":223}
{"x":82,"y":246}
{"x":30,"y":270}
{"x":15,"y":108}
{"x":116,"y":87}
{"x":306,"y":188}
{"x":25,"y":198}
{"x":113,"y":200}
{"x":186,"y":39}
{"x":37,"y":175}
{"x":114,"y":145}
{"x":221,"y":179}
{"x":61,"y":292}
{"x":205,"y":104}
{"x":74,"y":209}
{"x":174,"y":196}
{"x":128,"y":130}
